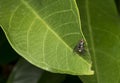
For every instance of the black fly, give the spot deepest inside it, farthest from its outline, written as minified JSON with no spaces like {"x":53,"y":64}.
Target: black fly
{"x":80,"y":48}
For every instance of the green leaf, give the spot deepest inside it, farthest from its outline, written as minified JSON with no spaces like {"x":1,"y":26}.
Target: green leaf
{"x":45,"y":33}
{"x":101,"y":26}
{"x":25,"y":72}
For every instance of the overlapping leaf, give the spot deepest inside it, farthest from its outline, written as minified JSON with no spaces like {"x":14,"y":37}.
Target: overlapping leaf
{"x":101,"y":25}
{"x":24,"y":72}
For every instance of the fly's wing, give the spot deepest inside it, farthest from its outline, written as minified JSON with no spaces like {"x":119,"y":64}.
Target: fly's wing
{"x":79,"y":50}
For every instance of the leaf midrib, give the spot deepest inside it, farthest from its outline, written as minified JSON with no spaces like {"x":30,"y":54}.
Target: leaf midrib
{"x":91,"y":39}
{"x":48,"y":27}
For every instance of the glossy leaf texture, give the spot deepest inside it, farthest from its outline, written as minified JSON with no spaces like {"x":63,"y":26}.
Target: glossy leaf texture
{"x":101,"y":26}
{"x":45,"y":33}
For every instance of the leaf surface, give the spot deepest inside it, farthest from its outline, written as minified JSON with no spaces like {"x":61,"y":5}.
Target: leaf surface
{"x":45,"y":33}
{"x":101,"y":26}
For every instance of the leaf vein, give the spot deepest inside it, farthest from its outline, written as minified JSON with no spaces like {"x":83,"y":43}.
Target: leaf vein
{"x":44,"y":45}
{"x":68,"y":34}
{"x":13,"y":13}
{"x":48,"y":27}
{"x":28,"y":31}
{"x":56,"y":55}
{"x":49,"y":5}
{"x":57,"y":12}
{"x":91,"y":39}
{"x":65,"y":24}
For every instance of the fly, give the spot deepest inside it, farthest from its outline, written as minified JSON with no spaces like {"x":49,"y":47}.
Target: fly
{"x":80,"y":48}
